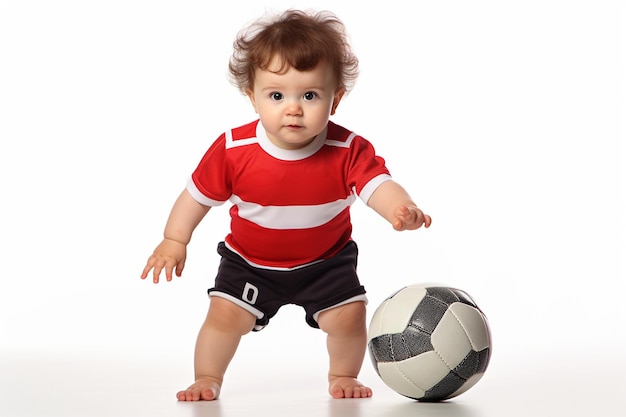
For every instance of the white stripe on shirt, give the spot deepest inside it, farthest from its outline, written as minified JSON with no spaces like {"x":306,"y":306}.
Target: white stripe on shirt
{"x":291,"y":217}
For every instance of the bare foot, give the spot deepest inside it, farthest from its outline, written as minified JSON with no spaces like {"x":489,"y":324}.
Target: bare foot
{"x":347,"y":387}
{"x":205,"y":389}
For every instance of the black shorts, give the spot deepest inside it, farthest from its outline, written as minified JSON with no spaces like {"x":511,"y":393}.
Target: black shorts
{"x":315,"y":287}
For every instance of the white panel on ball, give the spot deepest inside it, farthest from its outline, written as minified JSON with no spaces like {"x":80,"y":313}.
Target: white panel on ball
{"x":450,"y":340}
{"x":411,"y":377}
{"x":393,"y":317}
{"x":474,"y":324}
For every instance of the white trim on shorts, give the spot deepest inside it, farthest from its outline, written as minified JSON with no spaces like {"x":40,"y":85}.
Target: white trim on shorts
{"x":254,"y":311}
{"x":361,"y":297}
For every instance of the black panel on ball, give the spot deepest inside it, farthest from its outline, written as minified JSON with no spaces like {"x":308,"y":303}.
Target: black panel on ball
{"x":444,"y":294}
{"x":471,"y":364}
{"x":427,"y":314}
{"x":464,"y":297}
{"x":444,"y":388}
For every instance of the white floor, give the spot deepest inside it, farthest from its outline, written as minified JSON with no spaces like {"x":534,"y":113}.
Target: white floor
{"x":82,"y":384}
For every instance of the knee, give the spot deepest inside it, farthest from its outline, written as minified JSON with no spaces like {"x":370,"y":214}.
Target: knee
{"x":226,"y":316}
{"x":346,"y":319}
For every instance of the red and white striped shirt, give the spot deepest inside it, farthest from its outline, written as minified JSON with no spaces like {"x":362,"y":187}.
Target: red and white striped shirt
{"x":290,"y":207}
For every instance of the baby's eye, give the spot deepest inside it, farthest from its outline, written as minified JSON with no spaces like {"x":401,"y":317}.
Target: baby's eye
{"x":310,"y":95}
{"x":276,"y":96}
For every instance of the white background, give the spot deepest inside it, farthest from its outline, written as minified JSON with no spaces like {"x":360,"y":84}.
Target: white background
{"x":503,"y":119}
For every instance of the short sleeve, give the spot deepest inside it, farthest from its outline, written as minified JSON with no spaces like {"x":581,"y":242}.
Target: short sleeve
{"x":367,"y":170}
{"x":210,"y":183}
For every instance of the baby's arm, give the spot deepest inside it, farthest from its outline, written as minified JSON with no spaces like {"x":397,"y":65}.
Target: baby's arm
{"x":392,"y":202}
{"x":171,"y":253}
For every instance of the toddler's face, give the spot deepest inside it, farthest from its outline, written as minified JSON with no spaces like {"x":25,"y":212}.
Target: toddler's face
{"x":294,"y":106}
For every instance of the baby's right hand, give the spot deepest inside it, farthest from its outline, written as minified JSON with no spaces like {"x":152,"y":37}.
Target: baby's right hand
{"x":169,"y":255}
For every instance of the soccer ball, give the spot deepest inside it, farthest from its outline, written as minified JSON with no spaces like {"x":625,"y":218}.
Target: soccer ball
{"x":429,"y":342}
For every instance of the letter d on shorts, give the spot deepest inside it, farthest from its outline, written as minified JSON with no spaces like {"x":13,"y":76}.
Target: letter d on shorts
{"x":250,"y":293}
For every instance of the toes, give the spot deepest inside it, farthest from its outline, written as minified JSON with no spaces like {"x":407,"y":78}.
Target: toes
{"x":196,"y":394}
{"x":350,"y":390}
{"x":337,"y":392}
{"x":207,"y":394}
{"x":188,"y":395}
{"x":362,"y":392}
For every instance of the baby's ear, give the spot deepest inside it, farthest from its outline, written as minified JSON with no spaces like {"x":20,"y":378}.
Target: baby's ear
{"x":338,"y":96}
{"x":250,"y":95}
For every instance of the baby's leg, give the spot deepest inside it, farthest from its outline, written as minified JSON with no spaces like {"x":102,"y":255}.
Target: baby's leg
{"x":347,"y":342}
{"x":217,"y":342}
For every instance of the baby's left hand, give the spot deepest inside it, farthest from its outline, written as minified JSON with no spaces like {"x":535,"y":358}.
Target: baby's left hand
{"x":410,"y":218}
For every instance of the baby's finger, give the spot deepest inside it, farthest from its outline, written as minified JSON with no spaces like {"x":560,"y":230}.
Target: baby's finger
{"x":149,"y":265}
{"x":427,"y":221}
{"x":403,"y":211}
{"x":146,"y":269}
{"x":399,"y":224}
{"x":168,"y":271}
{"x":179,"y":268}
{"x":156,"y":272}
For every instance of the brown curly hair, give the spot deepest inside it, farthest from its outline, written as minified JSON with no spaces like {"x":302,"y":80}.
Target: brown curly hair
{"x":301,"y":40}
